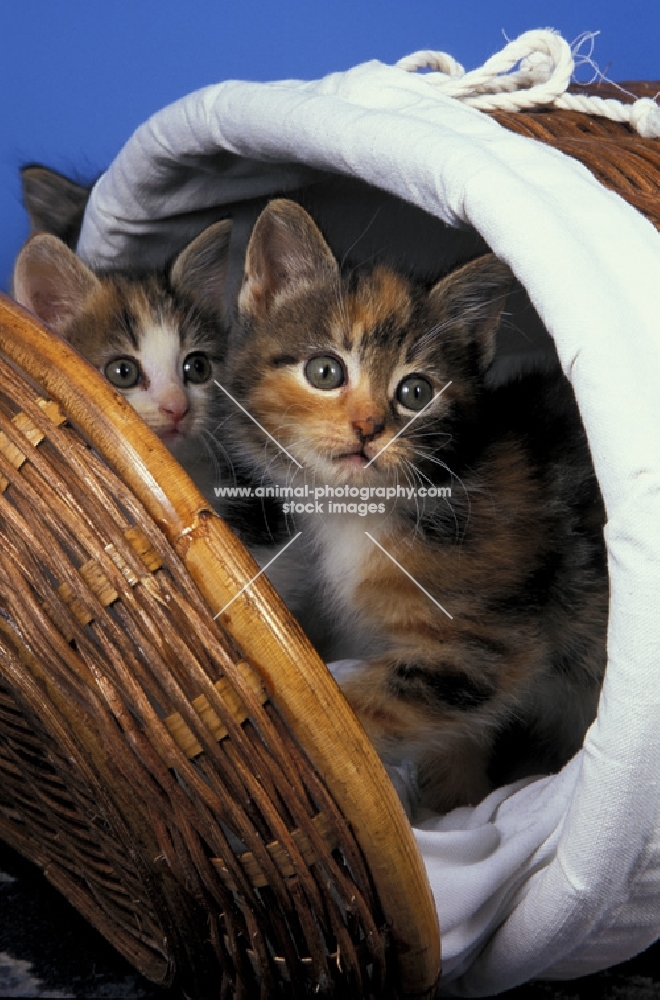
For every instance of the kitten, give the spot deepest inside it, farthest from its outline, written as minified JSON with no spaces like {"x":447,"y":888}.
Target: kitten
{"x":54,"y":203}
{"x":158,"y":338}
{"x":373,"y":381}
{"x":155,"y":337}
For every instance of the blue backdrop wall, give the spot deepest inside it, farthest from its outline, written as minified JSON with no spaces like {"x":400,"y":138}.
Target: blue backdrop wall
{"x":78,"y":76}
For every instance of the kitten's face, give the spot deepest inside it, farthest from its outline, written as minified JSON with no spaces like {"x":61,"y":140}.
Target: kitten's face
{"x":351,"y":380}
{"x":155,"y":338}
{"x":335,"y":377}
{"x":156,"y":349}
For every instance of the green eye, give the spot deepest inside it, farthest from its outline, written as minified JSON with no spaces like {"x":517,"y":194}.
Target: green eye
{"x":123,"y":372}
{"x":197,"y":367}
{"x":414,"y":392}
{"x":325,"y":372}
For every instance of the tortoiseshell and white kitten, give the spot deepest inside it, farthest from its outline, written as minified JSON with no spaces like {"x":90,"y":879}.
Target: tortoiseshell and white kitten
{"x":156,"y":337}
{"x":336,"y":369}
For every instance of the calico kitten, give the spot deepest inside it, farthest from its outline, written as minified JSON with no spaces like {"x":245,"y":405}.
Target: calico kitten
{"x":372,"y":381}
{"x":156,"y":337}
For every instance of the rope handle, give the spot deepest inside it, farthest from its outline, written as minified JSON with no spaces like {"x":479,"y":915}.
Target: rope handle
{"x":546,"y":63}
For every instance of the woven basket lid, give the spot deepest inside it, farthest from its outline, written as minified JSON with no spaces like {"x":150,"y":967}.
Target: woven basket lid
{"x":198,"y":788}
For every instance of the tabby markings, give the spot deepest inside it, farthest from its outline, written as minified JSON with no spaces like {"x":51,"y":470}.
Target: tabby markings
{"x":406,"y":426}
{"x":255,"y":421}
{"x":410,"y":577}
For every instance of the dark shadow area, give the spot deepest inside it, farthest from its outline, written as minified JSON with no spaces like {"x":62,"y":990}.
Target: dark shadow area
{"x":48,"y":950}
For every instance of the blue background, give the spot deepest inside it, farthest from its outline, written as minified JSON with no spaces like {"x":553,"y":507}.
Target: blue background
{"x":78,"y":76}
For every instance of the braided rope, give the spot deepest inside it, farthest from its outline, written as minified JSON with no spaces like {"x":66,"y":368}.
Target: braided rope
{"x":545,"y":64}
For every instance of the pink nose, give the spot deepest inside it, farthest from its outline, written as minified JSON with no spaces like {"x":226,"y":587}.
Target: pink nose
{"x":175,"y":409}
{"x":367,"y":427}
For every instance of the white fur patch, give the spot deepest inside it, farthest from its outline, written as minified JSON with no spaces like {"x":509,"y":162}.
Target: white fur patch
{"x":165,"y":402}
{"x":345,"y":551}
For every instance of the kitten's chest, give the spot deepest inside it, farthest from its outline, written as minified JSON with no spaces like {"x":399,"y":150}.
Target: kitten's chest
{"x":346,"y":555}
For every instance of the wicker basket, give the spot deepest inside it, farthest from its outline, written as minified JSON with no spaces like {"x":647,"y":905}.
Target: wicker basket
{"x":617,"y":156}
{"x":198,"y":788}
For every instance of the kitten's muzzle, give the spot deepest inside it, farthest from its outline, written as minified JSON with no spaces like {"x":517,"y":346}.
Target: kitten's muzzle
{"x":354,"y":459}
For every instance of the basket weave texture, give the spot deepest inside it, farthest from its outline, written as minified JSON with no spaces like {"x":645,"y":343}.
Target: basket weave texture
{"x":616,"y":155}
{"x":143,"y":764}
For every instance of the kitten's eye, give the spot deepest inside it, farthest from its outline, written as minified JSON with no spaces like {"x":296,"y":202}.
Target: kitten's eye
{"x":197,"y":367}
{"x":123,"y":372}
{"x":325,"y":372}
{"x":414,"y":392}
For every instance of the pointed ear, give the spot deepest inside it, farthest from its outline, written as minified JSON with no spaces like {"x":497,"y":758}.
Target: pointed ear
{"x":200,"y":270}
{"x":286,"y":251}
{"x":54,"y":203}
{"x":51,"y":281}
{"x":469,"y":302}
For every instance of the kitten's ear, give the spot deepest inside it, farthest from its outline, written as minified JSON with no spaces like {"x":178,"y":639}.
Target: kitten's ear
{"x":286,"y":251}
{"x":200,"y":270}
{"x":469,"y":302}
{"x":51,"y":281}
{"x":54,"y":203}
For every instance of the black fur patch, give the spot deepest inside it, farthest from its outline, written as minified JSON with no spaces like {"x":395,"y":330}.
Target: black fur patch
{"x":435,"y":683}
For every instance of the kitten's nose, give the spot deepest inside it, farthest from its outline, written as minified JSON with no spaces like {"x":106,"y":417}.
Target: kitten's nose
{"x":367,"y":427}
{"x":175,"y":409}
